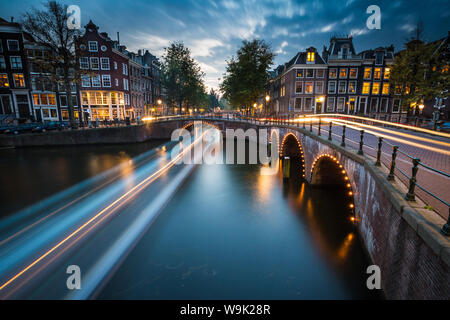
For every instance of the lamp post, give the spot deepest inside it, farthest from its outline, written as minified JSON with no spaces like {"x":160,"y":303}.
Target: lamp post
{"x":265,"y":105}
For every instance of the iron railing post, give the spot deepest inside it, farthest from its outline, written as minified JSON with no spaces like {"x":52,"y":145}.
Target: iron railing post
{"x":304,"y":122}
{"x":391,"y":175}
{"x":343,"y":136}
{"x":320,"y":122}
{"x":329,"y":131}
{"x":446,"y":227}
{"x":380,"y":144}
{"x":361,"y":143}
{"x":310,"y":124}
{"x":410,"y":196}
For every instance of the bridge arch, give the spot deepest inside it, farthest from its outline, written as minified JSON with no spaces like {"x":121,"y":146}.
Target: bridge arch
{"x":326,"y":170}
{"x":292,"y":148}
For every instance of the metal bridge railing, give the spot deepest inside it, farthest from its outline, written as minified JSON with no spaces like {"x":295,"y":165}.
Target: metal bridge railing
{"x":410,"y":180}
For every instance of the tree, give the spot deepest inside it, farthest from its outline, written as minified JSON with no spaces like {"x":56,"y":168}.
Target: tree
{"x":247,"y":75}
{"x":213,"y":99}
{"x":49,"y":28}
{"x":420,"y":72}
{"x":182,"y":77}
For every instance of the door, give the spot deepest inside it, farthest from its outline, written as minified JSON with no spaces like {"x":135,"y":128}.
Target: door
{"x":23,"y":106}
{"x":5,"y":104}
{"x":351,"y":105}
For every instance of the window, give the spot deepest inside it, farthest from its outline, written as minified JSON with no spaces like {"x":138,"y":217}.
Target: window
{"x":16,"y":62}
{"x":283,"y":91}
{"x":342,"y":87}
{"x":104,"y":63}
{"x":377,"y":74}
{"x":106,"y":79}
{"x":96,"y":81}
{"x":4,"y":80}
{"x":2,"y":62}
{"x":19,"y":80}
{"x":376,"y":88}
{"x":13,"y":45}
{"x":332,"y":73}
{"x":124,"y":69}
{"x":310,"y":73}
{"x":343,"y":73}
{"x":387,"y":73}
{"x":396,"y":105}
{"x":384,"y":104}
{"x":320,"y":73}
{"x":299,"y":87}
{"x":340,"y":104}
{"x":299,"y":73}
{"x":298,"y":104}
{"x":117,"y":82}
{"x":84,"y":63}
{"x":310,"y":57}
{"x":330,"y":104}
{"x":93,"y":46}
{"x":113,"y":98}
{"x":309,"y":87}
{"x":366,"y":88}
{"x":374,"y":105}
{"x":331,"y":86}
{"x":84,"y":98}
{"x":379,"y":58}
{"x":352,"y":87}
{"x":385,"y":88}
{"x":94,"y":63}
{"x":362,"y":104}
{"x":319,"y":86}
{"x":115,"y":65}
{"x":367,"y":73}
{"x":125,"y":84}
{"x":308,"y":104}
{"x":353,"y":73}
{"x":85,"y":81}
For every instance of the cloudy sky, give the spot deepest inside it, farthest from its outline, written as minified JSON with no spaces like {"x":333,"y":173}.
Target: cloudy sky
{"x":214,"y":29}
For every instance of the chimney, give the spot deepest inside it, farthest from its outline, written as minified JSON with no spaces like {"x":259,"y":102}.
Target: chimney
{"x":118,"y":38}
{"x":12,"y":19}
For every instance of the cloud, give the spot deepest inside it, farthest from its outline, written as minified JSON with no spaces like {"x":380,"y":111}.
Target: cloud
{"x":203,"y":47}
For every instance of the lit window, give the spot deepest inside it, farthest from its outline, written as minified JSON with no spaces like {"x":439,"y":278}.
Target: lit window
{"x":16,"y":62}
{"x":385,"y":88}
{"x":377,"y":73}
{"x":299,"y":73}
{"x":4,"y":80}
{"x":298,"y":87}
{"x":310,"y":73}
{"x":376,"y":88}
{"x":35,"y":99}
{"x":84,"y":98}
{"x":352,"y":87}
{"x":367,"y":73}
{"x":366,"y":88}
{"x":387,"y":73}
{"x":343,"y":73}
{"x":333,"y":73}
{"x":19,"y":80}
{"x":342,"y":87}
{"x":93,"y":46}
{"x":353,"y":73}
{"x":51,"y":99}
{"x":310,"y":57}
{"x":308,"y":87}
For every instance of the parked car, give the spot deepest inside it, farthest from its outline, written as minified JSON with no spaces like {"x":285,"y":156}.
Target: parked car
{"x":52,"y":125}
{"x":22,"y":128}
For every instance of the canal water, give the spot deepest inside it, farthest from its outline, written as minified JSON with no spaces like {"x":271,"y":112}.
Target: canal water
{"x":229,"y":232}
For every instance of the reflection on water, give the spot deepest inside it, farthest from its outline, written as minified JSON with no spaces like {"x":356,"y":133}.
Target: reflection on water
{"x":229,"y":233}
{"x":32,"y":174}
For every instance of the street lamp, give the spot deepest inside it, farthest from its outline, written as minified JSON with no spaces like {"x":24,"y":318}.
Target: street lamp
{"x":421,"y":106}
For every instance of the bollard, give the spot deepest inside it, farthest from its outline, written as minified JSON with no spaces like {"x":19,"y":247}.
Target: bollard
{"x":320,"y":122}
{"x":410,"y":196}
{"x":391,"y":175}
{"x":329,"y":131}
{"x":343,"y":136}
{"x":380,"y":143}
{"x":361,"y":143}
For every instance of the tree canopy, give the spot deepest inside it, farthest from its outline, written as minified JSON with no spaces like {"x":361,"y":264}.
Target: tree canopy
{"x":247,"y":75}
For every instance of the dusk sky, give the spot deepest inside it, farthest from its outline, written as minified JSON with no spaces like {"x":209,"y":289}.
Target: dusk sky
{"x":213,"y":30}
